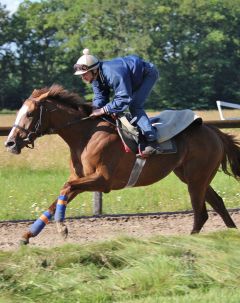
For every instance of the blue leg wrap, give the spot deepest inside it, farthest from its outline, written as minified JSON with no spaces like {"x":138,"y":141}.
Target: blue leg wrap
{"x":40,"y":223}
{"x":61,"y":208}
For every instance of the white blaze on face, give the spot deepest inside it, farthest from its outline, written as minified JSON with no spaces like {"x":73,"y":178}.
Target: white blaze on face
{"x":21,"y":113}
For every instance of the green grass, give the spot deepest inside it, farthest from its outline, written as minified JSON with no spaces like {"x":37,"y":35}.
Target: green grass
{"x":202,"y":268}
{"x":26,"y":193}
{"x":5,"y":111}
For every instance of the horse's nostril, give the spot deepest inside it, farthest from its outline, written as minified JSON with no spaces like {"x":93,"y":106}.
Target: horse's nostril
{"x":9,"y":143}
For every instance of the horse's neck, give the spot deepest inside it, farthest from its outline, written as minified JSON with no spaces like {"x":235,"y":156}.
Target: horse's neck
{"x":70,"y":128}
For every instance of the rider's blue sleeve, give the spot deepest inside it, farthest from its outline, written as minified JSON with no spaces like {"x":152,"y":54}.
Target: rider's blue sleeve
{"x":101,"y":94}
{"x":122,"y":90}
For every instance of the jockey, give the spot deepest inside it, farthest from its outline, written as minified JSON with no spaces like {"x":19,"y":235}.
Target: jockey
{"x":131,"y":80}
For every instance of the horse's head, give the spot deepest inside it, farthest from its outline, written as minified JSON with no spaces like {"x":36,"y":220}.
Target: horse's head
{"x":44,"y":112}
{"x":30,"y":123}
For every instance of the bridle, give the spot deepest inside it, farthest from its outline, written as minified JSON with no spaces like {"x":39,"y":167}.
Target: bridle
{"x":36,"y":132}
{"x":38,"y":127}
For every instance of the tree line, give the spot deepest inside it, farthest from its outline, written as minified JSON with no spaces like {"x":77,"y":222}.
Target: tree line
{"x":194,"y":43}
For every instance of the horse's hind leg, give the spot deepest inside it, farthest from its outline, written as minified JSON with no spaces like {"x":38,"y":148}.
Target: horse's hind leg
{"x":197,"y":194}
{"x":197,"y":191}
{"x":217,"y":204}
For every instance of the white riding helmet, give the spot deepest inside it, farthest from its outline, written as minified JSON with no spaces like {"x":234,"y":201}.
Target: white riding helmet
{"x":85,"y":63}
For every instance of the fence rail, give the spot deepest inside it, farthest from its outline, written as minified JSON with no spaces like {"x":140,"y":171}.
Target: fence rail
{"x":224,"y":123}
{"x":4,"y":131}
{"x":97,"y":196}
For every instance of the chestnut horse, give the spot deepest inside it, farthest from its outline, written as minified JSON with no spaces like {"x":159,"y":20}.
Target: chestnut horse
{"x":99,"y":162}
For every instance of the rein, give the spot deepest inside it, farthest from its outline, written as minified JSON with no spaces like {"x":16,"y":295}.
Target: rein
{"x":53,"y":130}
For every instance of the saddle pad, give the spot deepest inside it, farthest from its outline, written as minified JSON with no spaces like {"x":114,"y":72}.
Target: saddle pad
{"x":169,"y":123}
{"x":129,"y":143}
{"x":168,"y":147}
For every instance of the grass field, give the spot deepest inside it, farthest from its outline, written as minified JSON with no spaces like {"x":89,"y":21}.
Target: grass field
{"x":202,"y":269}
{"x":31,"y":191}
{"x":32,"y":180}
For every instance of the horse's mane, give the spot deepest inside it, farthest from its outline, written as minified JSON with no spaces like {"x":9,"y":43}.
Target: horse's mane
{"x":63,"y":97}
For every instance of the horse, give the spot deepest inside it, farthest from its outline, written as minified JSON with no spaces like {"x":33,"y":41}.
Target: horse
{"x":100,"y":164}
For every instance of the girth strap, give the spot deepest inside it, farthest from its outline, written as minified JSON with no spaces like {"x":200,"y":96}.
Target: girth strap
{"x":136,"y":171}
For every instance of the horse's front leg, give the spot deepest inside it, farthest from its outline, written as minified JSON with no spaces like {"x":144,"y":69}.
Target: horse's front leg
{"x":93,"y":182}
{"x":58,"y":207}
{"x":60,"y":214}
{"x":66,"y":195}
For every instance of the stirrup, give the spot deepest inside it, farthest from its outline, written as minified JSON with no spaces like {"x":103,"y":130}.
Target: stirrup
{"x":147,"y":149}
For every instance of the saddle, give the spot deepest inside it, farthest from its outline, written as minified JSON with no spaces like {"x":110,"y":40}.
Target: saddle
{"x":168,"y":124}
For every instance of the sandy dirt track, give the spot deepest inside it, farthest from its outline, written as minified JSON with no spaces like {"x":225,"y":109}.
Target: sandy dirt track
{"x":87,"y":230}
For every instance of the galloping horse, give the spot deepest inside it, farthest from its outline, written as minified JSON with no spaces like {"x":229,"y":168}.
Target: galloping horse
{"x":99,"y":163}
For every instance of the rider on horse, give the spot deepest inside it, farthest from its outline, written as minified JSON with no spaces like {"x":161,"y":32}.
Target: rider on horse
{"x":131,"y":79}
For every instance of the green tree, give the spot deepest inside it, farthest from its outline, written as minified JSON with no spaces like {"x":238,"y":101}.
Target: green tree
{"x":194,"y":43}
{"x":8,"y":84}
{"x":198,"y":43}
{"x":109,"y":28}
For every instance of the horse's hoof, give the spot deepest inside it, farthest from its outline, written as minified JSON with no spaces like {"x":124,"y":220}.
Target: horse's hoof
{"x":24,"y":242}
{"x":64,"y":232}
{"x":62,"y":229}
{"x":195,"y":232}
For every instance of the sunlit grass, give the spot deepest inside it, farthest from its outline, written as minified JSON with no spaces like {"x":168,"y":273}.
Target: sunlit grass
{"x":26,"y":193}
{"x":201,"y":268}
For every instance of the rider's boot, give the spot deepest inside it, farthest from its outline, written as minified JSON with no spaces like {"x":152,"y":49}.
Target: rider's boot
{"x":149,"y":146}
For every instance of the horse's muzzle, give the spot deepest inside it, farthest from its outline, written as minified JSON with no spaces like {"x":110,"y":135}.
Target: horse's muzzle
{"x":12,"y":146}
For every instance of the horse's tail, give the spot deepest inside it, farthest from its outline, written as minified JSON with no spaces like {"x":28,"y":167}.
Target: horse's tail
{"x":231,"y":160}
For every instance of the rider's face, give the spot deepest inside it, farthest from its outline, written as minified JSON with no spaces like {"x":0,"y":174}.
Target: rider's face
{"x":88,"y":77}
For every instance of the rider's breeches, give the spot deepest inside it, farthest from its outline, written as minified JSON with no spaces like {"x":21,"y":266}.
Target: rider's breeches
{"x":139,"y":97}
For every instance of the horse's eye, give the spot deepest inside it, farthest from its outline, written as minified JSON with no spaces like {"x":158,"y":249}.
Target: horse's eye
{"x":29,"y":114}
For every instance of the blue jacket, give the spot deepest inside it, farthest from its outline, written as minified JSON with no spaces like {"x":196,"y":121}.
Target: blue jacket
{"x":122,"y":76}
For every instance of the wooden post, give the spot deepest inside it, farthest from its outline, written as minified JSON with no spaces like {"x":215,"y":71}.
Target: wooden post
{"x":4,"y":131}
{"x":97,"y":203}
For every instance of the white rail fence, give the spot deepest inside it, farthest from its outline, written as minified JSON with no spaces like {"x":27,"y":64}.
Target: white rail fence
{"x":221,"y":104}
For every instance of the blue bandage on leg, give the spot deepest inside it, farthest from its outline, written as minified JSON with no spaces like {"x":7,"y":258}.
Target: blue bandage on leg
{"x":40,"y":223}
{"x":61,"y":208}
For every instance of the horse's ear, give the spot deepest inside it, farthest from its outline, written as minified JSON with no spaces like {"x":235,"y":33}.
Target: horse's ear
{"x":43,"y":96}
